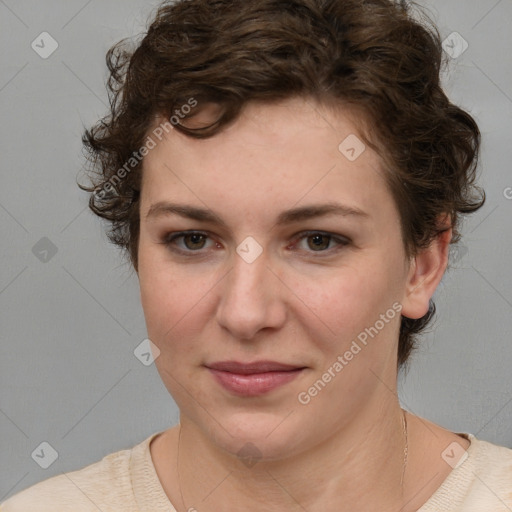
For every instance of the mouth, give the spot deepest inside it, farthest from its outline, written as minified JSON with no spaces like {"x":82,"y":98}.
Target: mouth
{"x":254,"y":378}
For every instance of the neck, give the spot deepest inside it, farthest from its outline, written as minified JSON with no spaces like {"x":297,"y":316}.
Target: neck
{"x":360,"y":467}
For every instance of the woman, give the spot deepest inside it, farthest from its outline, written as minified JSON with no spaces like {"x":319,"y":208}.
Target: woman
{"x":287,"y":178}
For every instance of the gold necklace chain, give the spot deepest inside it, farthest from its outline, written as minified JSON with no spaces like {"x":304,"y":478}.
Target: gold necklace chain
{"x":406,"y":455}
{"x":406,"y":449}
{"x":178,"y":468}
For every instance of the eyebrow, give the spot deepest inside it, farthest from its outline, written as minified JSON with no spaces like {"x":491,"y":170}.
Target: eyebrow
{"x":165,"y":208}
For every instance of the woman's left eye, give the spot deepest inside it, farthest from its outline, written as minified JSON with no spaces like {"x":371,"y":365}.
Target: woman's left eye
{"x":195,"y":241}
{"x":319,"y":241}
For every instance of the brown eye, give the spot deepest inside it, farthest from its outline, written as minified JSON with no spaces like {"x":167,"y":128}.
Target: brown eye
{"x":197,"y":241}
{"x":319,"y":241}
{"x":322,"y":243}
{"x":186,"y":243}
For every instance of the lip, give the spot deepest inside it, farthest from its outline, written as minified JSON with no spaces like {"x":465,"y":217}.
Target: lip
{"x":252,"y":367}
{"x":254,"y":378}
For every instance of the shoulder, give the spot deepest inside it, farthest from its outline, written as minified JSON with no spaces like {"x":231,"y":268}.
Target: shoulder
{"x":493,"y":469}
{"x":102,"y":485}
{"x":480,"y":482}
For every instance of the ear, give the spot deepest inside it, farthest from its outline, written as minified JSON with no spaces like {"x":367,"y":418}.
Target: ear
{"x":426,"y":272}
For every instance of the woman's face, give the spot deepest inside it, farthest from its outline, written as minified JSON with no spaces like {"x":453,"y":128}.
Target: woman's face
{"x":276,"y":271}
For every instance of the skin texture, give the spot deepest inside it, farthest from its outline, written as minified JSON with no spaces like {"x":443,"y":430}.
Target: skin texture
{"x":295,"y":304}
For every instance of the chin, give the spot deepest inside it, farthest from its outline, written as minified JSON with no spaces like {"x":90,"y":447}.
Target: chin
{"x":258,"y":436}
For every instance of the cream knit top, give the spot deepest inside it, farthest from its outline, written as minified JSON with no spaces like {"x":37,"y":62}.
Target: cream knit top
{"x":127,"y":481}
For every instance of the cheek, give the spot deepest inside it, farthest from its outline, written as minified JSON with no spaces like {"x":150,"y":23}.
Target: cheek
{"x":173,"y":311}
{"x":168,"y":304}
{"x":164,"y":292}
{"x":343,"y":302}
{"x":176,"y":305}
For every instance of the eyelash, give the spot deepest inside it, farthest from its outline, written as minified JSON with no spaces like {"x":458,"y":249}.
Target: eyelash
{"x":170,"y":238}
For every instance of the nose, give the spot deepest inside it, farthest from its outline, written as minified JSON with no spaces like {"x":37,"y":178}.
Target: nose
{"x":251,"y":298}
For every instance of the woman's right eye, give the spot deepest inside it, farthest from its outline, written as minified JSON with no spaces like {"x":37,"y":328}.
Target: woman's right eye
{"x":192,"y":242}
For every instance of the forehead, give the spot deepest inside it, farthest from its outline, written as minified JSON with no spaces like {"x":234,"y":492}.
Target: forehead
{"x":274,"y":154}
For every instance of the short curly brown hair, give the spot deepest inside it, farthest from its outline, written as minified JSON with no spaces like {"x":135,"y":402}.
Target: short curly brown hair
{"x":372,"y":54}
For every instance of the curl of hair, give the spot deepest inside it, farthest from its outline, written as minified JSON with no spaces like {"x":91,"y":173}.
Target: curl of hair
{"x":373,"y":55}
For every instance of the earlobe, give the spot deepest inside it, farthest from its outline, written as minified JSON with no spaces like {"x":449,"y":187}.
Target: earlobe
{"x":425,"y":273}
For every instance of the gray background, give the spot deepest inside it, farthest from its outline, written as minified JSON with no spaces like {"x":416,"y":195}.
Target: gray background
{"x":69,"y":325}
